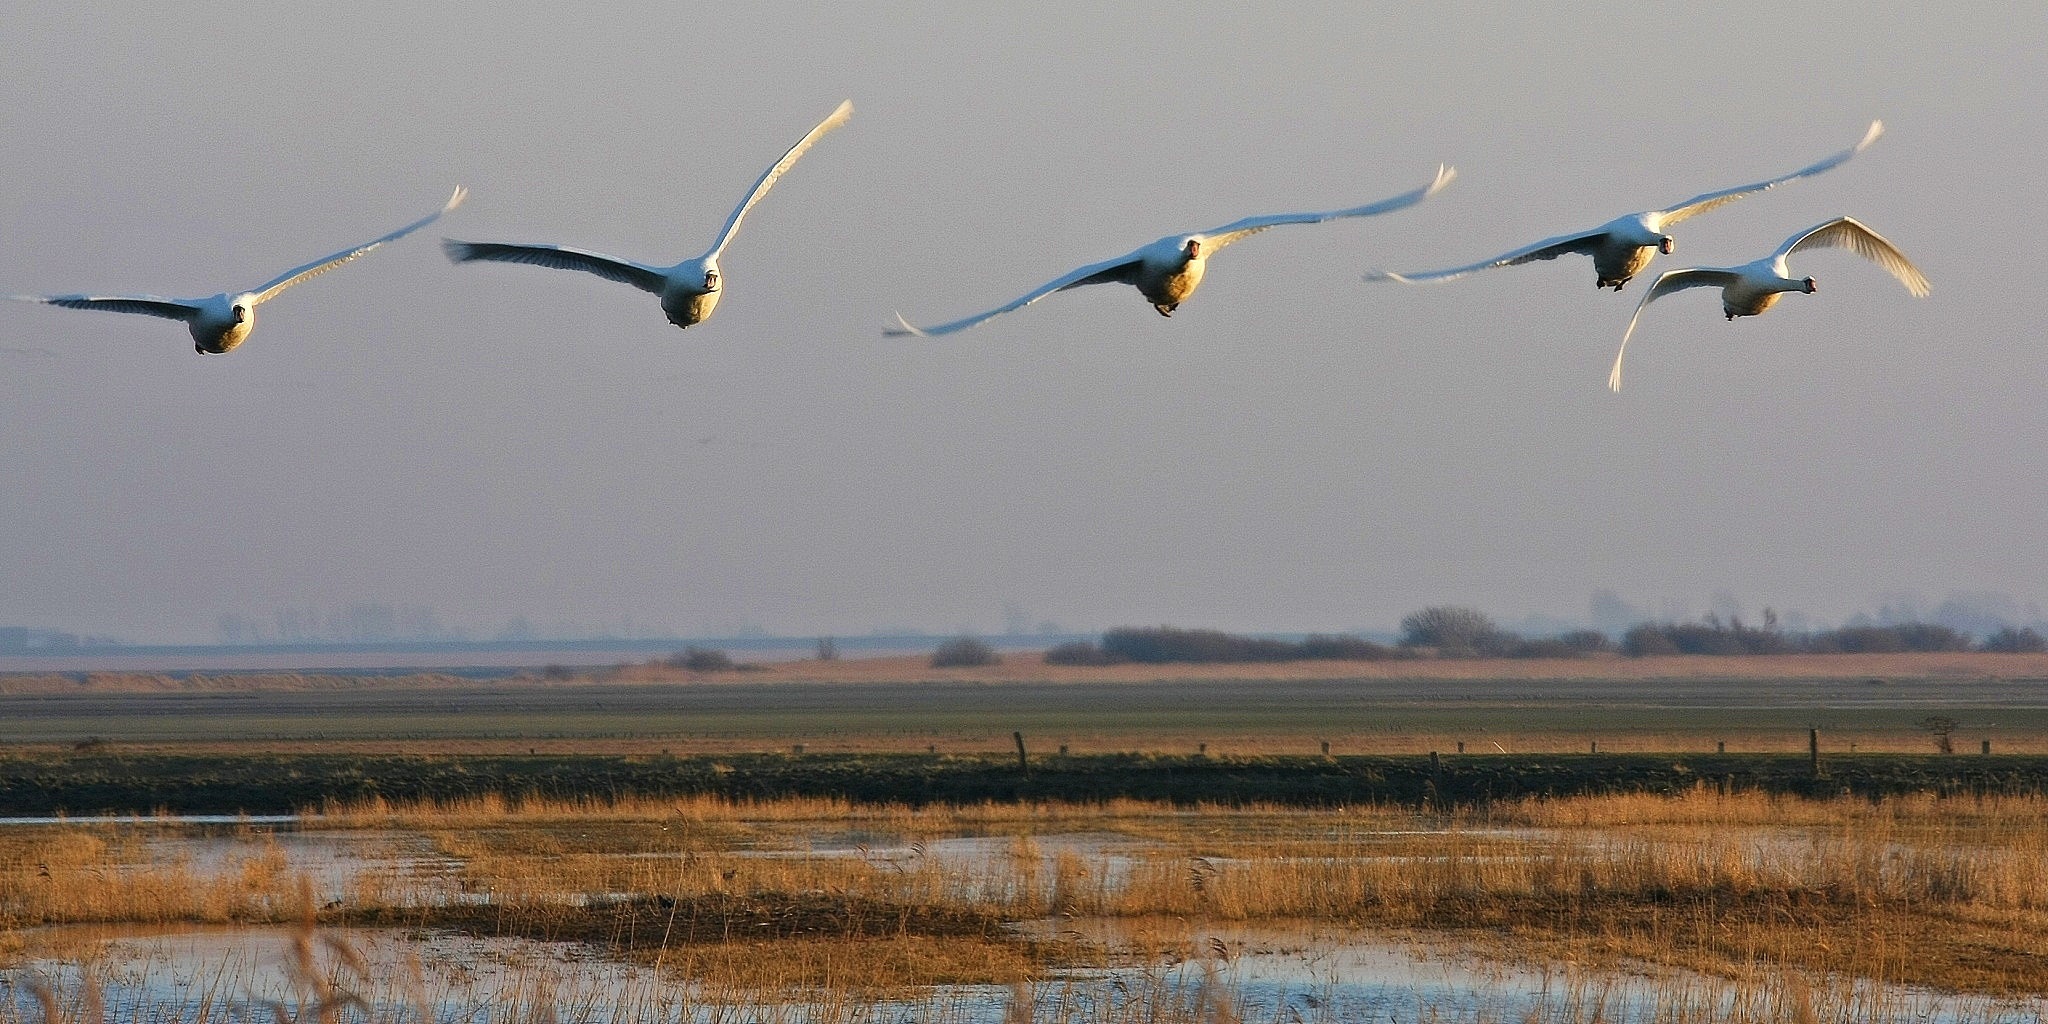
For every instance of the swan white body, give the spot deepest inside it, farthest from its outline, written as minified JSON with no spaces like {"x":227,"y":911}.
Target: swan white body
{"x":1624,"y":246}
{"x":1753,"y":287}
{"x":220,"y":323}
{"x":1169,"y":270}
{"x":689,"y":290}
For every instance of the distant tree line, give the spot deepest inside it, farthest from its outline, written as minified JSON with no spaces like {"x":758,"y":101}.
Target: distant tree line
{"x":1712,"y":635}
{"x":1451,"y":631}
{"x":1167,"y":644}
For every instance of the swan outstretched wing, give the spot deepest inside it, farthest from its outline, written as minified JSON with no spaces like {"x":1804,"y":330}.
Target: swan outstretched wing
{"x":1228,"y":233}
{"x":146,"y":305}
{"x":1116,"y":271}
{"x":1702,"y":203}
{"x":1667,"y":282}
{"x":559,"y":257}
{"x":322,"y":266}
{"x":1585,"y":242}
{"x":1851,"y":234}
{"x":768,"y":178}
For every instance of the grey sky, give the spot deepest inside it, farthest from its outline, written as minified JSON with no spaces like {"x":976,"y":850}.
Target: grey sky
{"x":1295,"y":449}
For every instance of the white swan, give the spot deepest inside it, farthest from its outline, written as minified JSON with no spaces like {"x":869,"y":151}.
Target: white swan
{"x":1754,"y":287}
{"x":1168,"y":270}
{"x":220,"y":323}
{"x":1622,"y":247}
{"x":689,"y":290}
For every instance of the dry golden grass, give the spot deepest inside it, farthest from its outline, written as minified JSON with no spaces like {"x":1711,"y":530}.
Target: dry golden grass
{"x":103,"y":874}
{"x":1949,"y":893}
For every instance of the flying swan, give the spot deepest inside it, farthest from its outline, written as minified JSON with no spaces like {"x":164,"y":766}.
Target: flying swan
{"x":1622,"y":247}
{"x":689,"y":290}
{"x":1168,"y":270}
{"x":1751,"y":288}
{"x":224,"y":321}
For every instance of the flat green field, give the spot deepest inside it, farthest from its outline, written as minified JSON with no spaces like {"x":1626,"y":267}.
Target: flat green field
{"x":1251,"y":716}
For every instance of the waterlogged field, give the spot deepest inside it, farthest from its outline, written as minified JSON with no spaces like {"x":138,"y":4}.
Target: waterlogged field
{"x":1611,"y":841}
{"x":1697,"y":906}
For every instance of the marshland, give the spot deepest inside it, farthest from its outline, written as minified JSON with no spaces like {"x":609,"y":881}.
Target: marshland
{"x":1699,"y":905}
{"x":711,"y":872}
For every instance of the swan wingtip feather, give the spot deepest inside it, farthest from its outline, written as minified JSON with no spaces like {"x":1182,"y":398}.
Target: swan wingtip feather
{"x":903,"y":329}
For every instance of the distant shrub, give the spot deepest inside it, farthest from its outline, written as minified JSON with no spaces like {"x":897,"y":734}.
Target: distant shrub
{"x":1860,"y":640}
{"x":1079,"y":652}
{"x":965,"y":652}
{"x":1544,"y":647}
{"x":1161,"y":645}
{"x":828,"y":649}
{"x":1166,"y":644}
{"x":1714,"y":637}
{"x":1928,"y":636}
{"x":1646,"y":639}
{"x":1344,"y":648}
{"x":1457,"y":632}
{"x":1701,"y":638}
{"x":2014,"y":641}
{"x":701,"y":659}
{"x":1943,"y":727}
{"x":1586,"y":641}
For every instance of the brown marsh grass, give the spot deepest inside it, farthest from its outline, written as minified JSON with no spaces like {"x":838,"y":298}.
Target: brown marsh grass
{"x":103,"y":874}
{"x":1949,"y":893}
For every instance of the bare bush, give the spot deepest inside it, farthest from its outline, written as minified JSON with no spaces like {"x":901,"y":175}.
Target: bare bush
{"x":1646,"y":639}
{"x":1586,"y":641}
{"x":2008,"y":640}
{"x":965,"y":652}
{"x":1712,"y":636}
{"x":1165,"y":644}
{"x":1080,"y":652}
{"x":1344,"y":648}
{"x":702,"y":659}
{"x":1456,"y":632}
